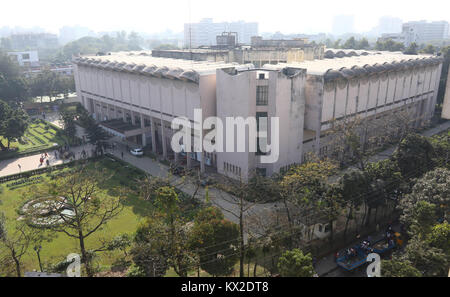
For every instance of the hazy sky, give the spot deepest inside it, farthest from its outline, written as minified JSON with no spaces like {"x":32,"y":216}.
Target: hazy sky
{"x":287,"y":16}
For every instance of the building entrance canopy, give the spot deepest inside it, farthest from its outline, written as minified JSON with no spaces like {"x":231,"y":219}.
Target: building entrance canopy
{"x":122,"y":129}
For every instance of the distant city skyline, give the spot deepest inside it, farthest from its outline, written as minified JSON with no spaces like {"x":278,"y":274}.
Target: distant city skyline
{"x":148,"y":17}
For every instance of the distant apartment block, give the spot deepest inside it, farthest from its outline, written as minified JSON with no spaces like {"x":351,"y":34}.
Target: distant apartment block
{"x":26,"y":58}
{"x":204,"y":33}
{"x":32,"y":41}
{"x":259,"y":52}
{"x":423,"y":32}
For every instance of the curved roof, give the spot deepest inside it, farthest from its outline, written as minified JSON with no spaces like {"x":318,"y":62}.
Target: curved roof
{"x":370,"y":64}
{"x":143,"y":63}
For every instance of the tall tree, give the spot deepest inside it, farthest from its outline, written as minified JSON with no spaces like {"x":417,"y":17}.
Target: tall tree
{"x":295,"y":264}
{"x":92,"y":210}
{"x":216,"y":240}
{"x":14,"y":245}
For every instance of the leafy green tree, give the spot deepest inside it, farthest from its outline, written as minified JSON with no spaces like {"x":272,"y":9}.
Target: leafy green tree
{"x":303,"y":186}
{"x":69,"y":127}
{"x":14,"y":90}
{"x":150,"y":249}
{"x":398,"y":268}
{"x":216,"y":240}
{"x":429,"y":49}
{"x":180,"y":256}
{"x":16,"y":125}
{"x":430,"y":261}
{"x":439,"y":237}
{"x":350,"y":43}
{"x":295,"y":264}
{"x":350,"y":184}
{"x":411,"y":49}
{"x":420,"y":217}
{"x":389,"y":45}
{"x":337,"y":43}
{"x":433,"y":188}
{"x":414,"y":155}
{"x":363,"y":43}
{"x":96,"y":135}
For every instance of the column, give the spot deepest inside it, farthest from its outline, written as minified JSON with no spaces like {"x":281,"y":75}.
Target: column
{"x":153,"y":131}
{"x":202,"y":162}
{"x":163,"y":138}
{"x":144,"y":138}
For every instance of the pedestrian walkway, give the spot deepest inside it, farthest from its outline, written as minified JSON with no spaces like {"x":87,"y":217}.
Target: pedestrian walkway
{"x":17,"y":165}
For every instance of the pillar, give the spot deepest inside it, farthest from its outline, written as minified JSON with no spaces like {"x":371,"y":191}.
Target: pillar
{"x":202,"y":162}
{"x":153,"y":131}
{"x":144,"y":138}
{"x":163,"y":138}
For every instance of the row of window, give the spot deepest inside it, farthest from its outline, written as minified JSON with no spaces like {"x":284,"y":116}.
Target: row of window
{"x":262,"y":95}
{"x":236,"y":170}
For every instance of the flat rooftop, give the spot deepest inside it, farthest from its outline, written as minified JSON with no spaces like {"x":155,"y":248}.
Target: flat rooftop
{"x":143,"y":63}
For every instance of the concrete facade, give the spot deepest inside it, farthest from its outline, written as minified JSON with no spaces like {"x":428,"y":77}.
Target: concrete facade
{"x":369,"y":88}
{"x":422,"y":31}
{"x":26,"y":58}
{"x":258,"y":56}
{"x":237,"y":97}
{"x":308,"y":98}
{"x":446,"y":105}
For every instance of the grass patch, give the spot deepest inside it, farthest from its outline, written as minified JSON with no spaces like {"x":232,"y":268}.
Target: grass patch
{"x":39,"y":136}
{"x":135,"y":210}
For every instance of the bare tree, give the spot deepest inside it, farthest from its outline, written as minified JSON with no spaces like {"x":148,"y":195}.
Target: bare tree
{"x":15,"y":244}
{"x":91,"y":209}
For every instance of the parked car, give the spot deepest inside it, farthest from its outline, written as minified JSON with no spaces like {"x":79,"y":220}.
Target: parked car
{"x":137,"y":152}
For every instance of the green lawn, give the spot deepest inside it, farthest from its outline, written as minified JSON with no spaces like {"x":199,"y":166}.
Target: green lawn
{"x":52,"y":252}
{"x":39,"y":136}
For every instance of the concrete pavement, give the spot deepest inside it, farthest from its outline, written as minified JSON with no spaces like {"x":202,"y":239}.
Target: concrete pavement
{"x":17,"y":165}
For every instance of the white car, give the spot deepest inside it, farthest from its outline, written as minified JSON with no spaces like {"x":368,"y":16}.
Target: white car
{"x":137,"y":152}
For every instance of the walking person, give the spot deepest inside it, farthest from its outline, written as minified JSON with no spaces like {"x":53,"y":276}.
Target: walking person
{"x":20,"y":167}
{"x":122,"y":155}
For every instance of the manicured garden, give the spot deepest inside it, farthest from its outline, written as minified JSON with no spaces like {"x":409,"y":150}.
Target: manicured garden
{"x":15,"y":194}
{"x":39,"y":136}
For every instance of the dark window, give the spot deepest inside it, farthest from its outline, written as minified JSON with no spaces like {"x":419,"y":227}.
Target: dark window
{"x":258,"y":150}
{"x":262,"y":95}
{"x":261,"y":171}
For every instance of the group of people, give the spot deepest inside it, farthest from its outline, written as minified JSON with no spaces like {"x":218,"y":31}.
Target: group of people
{"x":44,"y":157}
{"x":390,"y":236}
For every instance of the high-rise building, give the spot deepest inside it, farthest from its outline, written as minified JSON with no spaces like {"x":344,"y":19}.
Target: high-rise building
{"x":423,"y":31}
{"x":343,"y":24}
{"x":204,"y":33}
